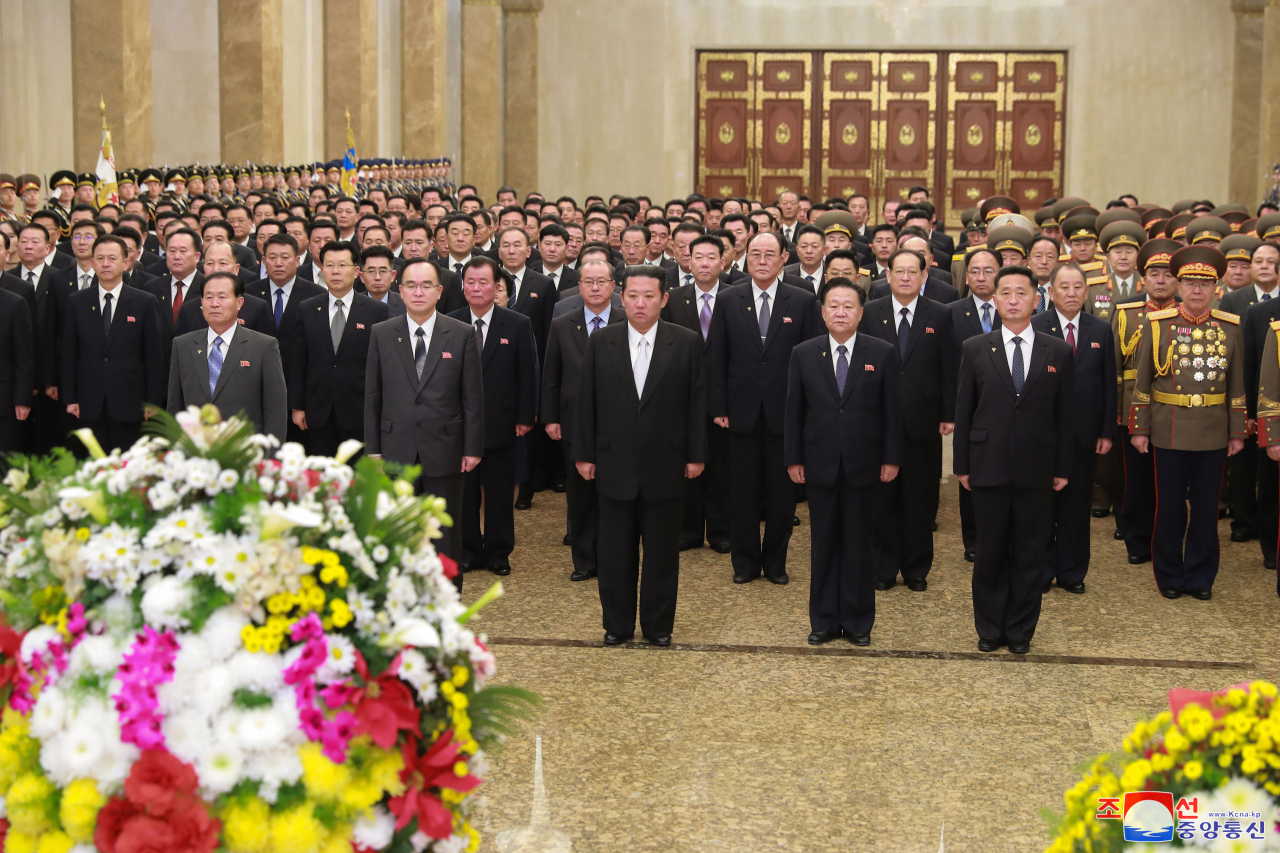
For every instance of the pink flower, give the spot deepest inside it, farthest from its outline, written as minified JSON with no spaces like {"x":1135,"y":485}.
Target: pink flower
{"x":337,"y":734}
{"x":312,"y":723}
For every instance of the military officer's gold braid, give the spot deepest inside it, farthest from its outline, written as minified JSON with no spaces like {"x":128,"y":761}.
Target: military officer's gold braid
{"x":1127,"y":349}
{"x":1155,"y":351}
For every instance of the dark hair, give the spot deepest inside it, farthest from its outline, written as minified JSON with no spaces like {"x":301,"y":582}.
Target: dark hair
{"x":459,"y":217}
{"x":513,"y":228}
{"x":1012,"y":270}
{"x":113,"y":239}
{"x":338,"y":246}
{"x":914,"y":231}
{"x":322,"y":223}
{"x":687,"y":228}
{"x":840,"y":281}
{"x":237,"y":282}
{"x":884,"y":226}
{"x":554,"y":229}
{"x":340,"y":199}
{"x":505,"y":189}
{"x":37,"y":226}
{"x":1267,"y":244}
{"x":977,"y":250}
{"x":483,"y":213}
{"x":656,"y":273}
{"x":644,"y":232}
{"x":378,"y":252}
{"x":375,"y":217}
{"x":842,"y":254}
{"x":749,"y":223}
{"x":238,"y":206}
{"x":128,"y":232}
{"x":283,"y":239}
{"x":1042,"y":238}
{"x":412,"y":262}
{"x":809,"y":229}
{"x":275,"y":223}
{"x":1069,"y":265}
{"x":511,"y":208}
{"x":916,"y":213}
{"x":918,"y":189}
{"x":397,"y":215}
{"x":98,"y":230}
{"x":708,"y":240}
{"x":195,"y":238}
{"x":381,"y":228}
{"x":420,"y":225}
{"x":482,"y":261}
{"x":913,"y":253}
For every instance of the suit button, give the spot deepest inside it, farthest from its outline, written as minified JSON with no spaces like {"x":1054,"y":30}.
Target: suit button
{"x":840,"y":411}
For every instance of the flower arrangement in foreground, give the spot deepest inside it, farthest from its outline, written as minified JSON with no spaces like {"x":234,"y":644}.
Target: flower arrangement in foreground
{"x":206,"y":648}
{"x":1221,"y":749}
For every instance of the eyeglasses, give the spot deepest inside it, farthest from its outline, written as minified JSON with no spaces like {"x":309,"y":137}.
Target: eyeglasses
{"x":337,"y":267}
{"x":376,"y":272}
{"x":418,"y":285}
{"x":591,"y":282}
{"x":763,"y":256}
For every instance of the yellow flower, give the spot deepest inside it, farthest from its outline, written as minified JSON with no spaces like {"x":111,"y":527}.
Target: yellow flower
{"x":384,"y":769}
{"x":55,"y":842}
{"x":246,"y":827}
{"x":341,"y":612}
{"x":324,"y":779}
{"x":1135,"y":775}
{"x":1224,"y":760}
{"x":460,"y":675}
{"x":297,"y":830}
{"x":19,"y":842}
{"x":78,"y":812}
{"x":1193,"y":770}
{"x":337,"y":842}
{"x":360,"y":794}
{"x":473,"y":837}
{"x":1175,"y":741}
{"x":30,"y":801}
{"x":1160,"y":762}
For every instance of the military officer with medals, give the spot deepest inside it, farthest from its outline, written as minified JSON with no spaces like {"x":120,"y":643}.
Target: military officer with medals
{"x":1269,"y":399}
{"x":1188,"y":409}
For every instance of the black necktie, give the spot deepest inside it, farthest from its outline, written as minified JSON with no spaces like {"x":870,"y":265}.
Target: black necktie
{"x":106,"y":313}
{"x":1019,"y":372}
{"x":420,"y":351}
{"x":904,"y":332}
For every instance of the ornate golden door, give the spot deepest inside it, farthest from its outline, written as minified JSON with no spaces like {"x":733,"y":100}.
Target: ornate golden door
{"x":726,"y":107}
{"x":784,"y":94}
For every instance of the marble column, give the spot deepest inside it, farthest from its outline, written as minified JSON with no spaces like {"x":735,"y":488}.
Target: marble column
{"x":1269,"y":108}
{"x":111,"y":63}
{"x":1246,"y":102}
{"x":250,"y":80}
{"x":423,"y":77}
{"x":350,"y":76}
{"x":520,"y":122}
{"x":481,"y":108}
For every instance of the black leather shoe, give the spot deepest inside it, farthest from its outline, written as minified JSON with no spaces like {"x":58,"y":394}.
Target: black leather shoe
{"x":883,"y":585}
{"x":615,"y":639}
{"x":1073,"y":588}
{"x":861,"y":639}
{"x":971,"y":554}
{"x":558,"y":487}
{"x":988,"y":644}
{"x":500,"y":571}
{"x":523,"y":502}
{"x":581,"y":576}
{"x":466,"y":567}
{"x":780,"y":580}
{"x":917,"y":584}
{"x":1171,"y":593}
{"x":1242,"y":536}
{"x":661,"y":641}
{"x":1118,"y":536}
{"x":935,"y":527}
{"x":1200,"y":594}
{"x":1099,"y":513}
{"x":567,"y":540}
{"x":1269,"y":565}
{"x":690,"y":544}
{"x":744,"y":578}
{"x":1019,"y":648}
{"x":1048,"y":585}
{"x":1135,"y":560}
{"x":817,"y":638}
{"x":795,"y":521}
{"x":721,"y":546}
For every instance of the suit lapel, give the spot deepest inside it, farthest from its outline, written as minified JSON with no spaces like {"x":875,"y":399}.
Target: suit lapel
{"x":404,"y":347}
{"x":857,"y":358}
{"x":579,"y":332}
{"x":664,"y":344}
{"x":491,"y":338}
{"x":995,"y":344}
{"x":118,"y":308}
{"x":434,"y":350}
{"x":917,"y":331}
{"x":356,"y":313}
{"x":753,"y":321}
{"x":622,"y":362}
{"x":826,"y":365}
{"x":1036,"y":364}
{"x":201,"y":359}
{"x":776,"y":316}
{"x":230,"y":362}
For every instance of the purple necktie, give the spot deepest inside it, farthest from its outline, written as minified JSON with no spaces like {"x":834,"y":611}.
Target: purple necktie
{"x":704,"y":316}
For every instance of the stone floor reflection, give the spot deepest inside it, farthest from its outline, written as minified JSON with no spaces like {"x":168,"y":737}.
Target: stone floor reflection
{"x":539,"y":836}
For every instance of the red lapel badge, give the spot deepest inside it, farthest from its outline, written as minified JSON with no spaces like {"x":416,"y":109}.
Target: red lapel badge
{"x":870,"y":367}
{"x":502,"y":340}
{"x":359,"y":325}
{"x":786,"y":319}
{"x":244,"y":364}
{"x":446,"y":355}
{"x":928,"y":330}
{"x":1051,"y":368}
{"x":1095,"y":345}
{"x":130,"y":319}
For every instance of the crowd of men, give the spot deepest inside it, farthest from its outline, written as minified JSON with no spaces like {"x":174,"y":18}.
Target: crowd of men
{"x":687,"y":372}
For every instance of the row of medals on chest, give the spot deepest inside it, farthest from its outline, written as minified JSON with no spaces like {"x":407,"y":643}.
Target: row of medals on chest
{"x":1200,"y":348}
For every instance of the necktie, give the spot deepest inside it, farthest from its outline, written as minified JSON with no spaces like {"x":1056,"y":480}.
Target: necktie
{"x":106,"y":314}
{"x":904,"y":332}
{"x":553,"y":279}
{"x":31,"y":277}
{"x":595,"y":326}
{"x":809,"y":279}
{"x":1266,"y":296}
{"x":764,"y":315}
{"x":458,"y":269}
{"x":1040,"y":302}
{"x":842,"y":368}
{"x":986,"y":318}
{"x":215,"y":363}
{"x":641,"y":367}
{"x":480,"y":333}
{"x":335,"y":328}
{"x":1019,"y":372}
{"x":688,"y":279}
{"x":177,"y":300}
{"x":279,"y":307}
{"x":704,"y":316}
{"x":85,"y":278}
{"x":420,"y":351}
{"x":515,"y":293}
{"x":1071,"y":336}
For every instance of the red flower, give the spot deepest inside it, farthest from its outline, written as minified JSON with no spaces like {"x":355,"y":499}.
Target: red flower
{"x":161,"y":814}
{"x":157,"y":779}
{"x":449,"y":565}
{"x":383,"y":706}
{"x":423,"y":777}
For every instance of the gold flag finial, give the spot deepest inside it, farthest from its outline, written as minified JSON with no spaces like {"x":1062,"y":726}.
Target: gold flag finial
{"x":102,"y":106}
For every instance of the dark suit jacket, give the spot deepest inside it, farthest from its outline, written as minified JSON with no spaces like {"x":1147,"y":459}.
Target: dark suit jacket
{"x":46,"y":326}
{"x":1006,"y":439}
{"x":966,"y":320}
{"x":565,"y":348}
{"x":67,"y":281}
{"x":254,"y":314}
{"x":943,"y":245}
{"x":17,"y":353}
{"x":306,"y":269}
{"x":682,"y":308}
{"x":251,"y":382}
{"x":537,"y":301}
{"x":326,"y":384}
{"x":1257,"y":325}
{"x":112,"y":375}
{"x":570,"y":303}
{"x":640,"y":443}
{"x":395,"y":305}
{"x":433,"y":421}
{"x":749,"y":377}
{"x":510,"y":367}
{"x":934,"y":288}
{"x":928,"y":367}
{"x":1239,"y":301}
{"x":161,"y":287}
{"x":860,"y":429}
{"x":18,"y":287}
{"x":291,"y":321}
{"x":451,"y":296}
{"x":566,"y":281}
{"x":1095,"y":372}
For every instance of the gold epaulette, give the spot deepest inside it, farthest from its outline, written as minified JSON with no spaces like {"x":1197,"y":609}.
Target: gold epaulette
{"x":1097,"y":279}
{"x":1099,"y":255}
{"x":1128,"y":305}
{"x":958,"y":256}
{"x":1226,"y":315}
{"x":864,"y":272}
{"x":1163,"y":315}
{"x":1275,"y":324}
{"x":1064,"y":257}
{"x":1091,"y":266}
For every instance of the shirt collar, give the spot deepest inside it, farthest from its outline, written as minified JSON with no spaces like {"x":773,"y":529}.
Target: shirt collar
{"x":226,"y":337}
{"x":345,"y":300}
{"x":1063,"y":320}
{"x":186,"y":282}
{"x":487,"y":316}
{"x":714,"y":292}
{"x":589,"y":315}
{"x":772,"y":291}
{"x":287,"y":287}
{"x":1026,"y":334}
{"x":549,"y":272}
{"x":910,"y":306}
{"x":633,"y":336}
{"x":428,"y":328}
{"x":115,"y":294}
{"x":1258,"y":291}
{"x":848,"y":345}
{"x":979,"y":302}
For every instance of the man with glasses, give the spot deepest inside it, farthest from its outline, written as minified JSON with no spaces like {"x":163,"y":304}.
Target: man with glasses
{"x":378,"y":274}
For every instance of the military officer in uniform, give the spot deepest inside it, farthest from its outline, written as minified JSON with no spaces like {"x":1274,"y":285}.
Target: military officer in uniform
{"x":1081,"y":233}
{"x":975,"y":234}
{"x":1188,"y":409}
{"x":1269,"y":399}
{"x":1047,"y":224}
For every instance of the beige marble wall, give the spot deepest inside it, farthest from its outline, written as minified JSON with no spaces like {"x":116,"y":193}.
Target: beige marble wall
{"x":481,"y":96}
{"x":424,"y":49}
{"x":350,"y":75}
{"x":302,"y":52}
{"x":1246,"y":99}
{"x":388,"y":142}
{"x":35,"y":90}
{"x":520,"y":94}
{"x":250,"y":34}
{"x":184,"y":74}
{"x":609,"y":122}
{"x":1269,"y":119}
{"x":111,"y":50}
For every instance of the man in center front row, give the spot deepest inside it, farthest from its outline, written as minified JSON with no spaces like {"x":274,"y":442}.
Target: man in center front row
{"x":843,"y":436}
{"x":1013,"y":446}
{"x":231,"y":366}
{"x":640,"y":432}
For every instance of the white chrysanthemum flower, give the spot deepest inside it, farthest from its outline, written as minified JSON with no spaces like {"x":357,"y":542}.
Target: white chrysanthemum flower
{"x":100,"y":654}
{"x":165,"y":600}
{"x":186,"y":734}
{"x":48,"y":715}
{"x":219,"y":767}
{"x":381,"y":553}
{"x":161,"y":496}
{"x":221,"y":632}
{"x":339,"y":660}
{"x":73,"y":752}
{"x":452,"y":844}
{"x":259,"y":671}
{"x":37,"y":640}
{"x":261,"y":729}
{"x":275,"y":767}
{"x":374,"y":829}
{"x":228,"y":479}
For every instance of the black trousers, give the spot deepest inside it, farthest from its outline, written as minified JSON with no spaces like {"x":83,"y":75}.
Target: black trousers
{"x":496,"y":473}
{"x":1139,"y":498}
{"x":46,"y":427}
{"x":624,"y":525}
{"x":539,"y":448}
{"x":1182,"y":477}
{"x":842,"y":592}
{"x":1069,"y":539}
{"x":706,"y":497}
{"x":12,"y":434}
{"x":112,"y":434}
{"x":1013,"y":544}
{"x":292,"y":431}
{"x":449,"y":488}
{"x":324,"y":441}
{"x":905,"y":507}
{"x":758,"y":477}
{"x":583,"y":513}
{"x":968,"y":524}
{"x":1243,"y":473}
{"x":1268,"y":478}
{"x":1106,"y":469}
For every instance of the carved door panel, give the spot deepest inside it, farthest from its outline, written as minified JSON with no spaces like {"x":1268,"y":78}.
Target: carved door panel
{"x":975,"y":130}
{"x":1037,"y":97}
{"x":908,"y":124}
{"x":848,"y":134}
{"x":784,"y":94}
{"x":726,"y":110}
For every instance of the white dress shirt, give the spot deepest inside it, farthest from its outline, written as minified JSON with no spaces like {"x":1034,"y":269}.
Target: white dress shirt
{"x":346,"y":305}
{"x":1028,"y":336}
{"x":517,"y":279}
{"x":1258,"y":291}
{"x":773,"y":299}
{"x":186,"y":286}
{"x":81,"y":281}
{"x":455,"y":262}
{"x":1063,"y":320}
{"x":226,"y":338}
{"x":633,"y":343}
{"x":25,"y":274}
{"x":287,"y":287}
{"x":115,"y":299}
{"x":848,"y":351}
{"x":554,"y":275}
{"x":428,"y":329}
{"x":488,"y":322}
{"x":978,"y":302}
{"x":817,"y":274}
{"x":911,"y":311}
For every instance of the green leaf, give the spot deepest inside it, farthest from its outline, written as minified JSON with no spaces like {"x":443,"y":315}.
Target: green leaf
{"x":498,"y":710}
{"x":289,"y":796}
{"x":233,"y":449}
{"x":207,"y":600}
{"x":248,"y":700}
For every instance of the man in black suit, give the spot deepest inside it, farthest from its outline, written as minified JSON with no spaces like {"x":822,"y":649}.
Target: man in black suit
{"x":217,"y":257}
{"x":706,"y":498}
{"x":47,"y":427}
{"x":753,"y":331}
{"x":80,"y":275}
{"x":906,"y":506}
{"x":1013,"y":448}
{"x":809,"y":245}
{"x":378,"y":275}
{"x":570,"y":334}
{"x":509,"y":359}
{"x":326,"y":387}
{"x":182,"y":278}
{"x":843,"y":437}
{"x":1257,"y":326}
{"x":219,"y":231}
{"x":682,"y":238}
{"x":1094,"y":419}
{"x":974,"y":314}
{"x":17,"y":371}
{"x":553,"y":243}
{"x":640,"y":433}
{"x":935,"y":288}
{"x":424,"y":396}
{"x":569,"y":303}
{"x":9,"y":280}
{"x":415,"y":243}
{"x":111,"y":351}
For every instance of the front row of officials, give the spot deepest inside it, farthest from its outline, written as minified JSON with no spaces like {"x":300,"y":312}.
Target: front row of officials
{"x":860,"y":422}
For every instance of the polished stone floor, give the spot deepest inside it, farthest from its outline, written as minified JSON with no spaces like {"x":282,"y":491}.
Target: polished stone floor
{"x":742,"y":738}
